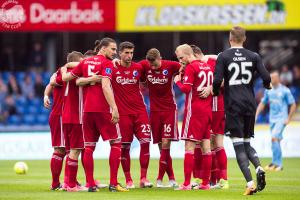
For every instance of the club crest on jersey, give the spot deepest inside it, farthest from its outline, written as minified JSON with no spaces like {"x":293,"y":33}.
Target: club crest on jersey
{"x":165,"y":72}
{"x":108,"y":71}
{"x":135,"y":73}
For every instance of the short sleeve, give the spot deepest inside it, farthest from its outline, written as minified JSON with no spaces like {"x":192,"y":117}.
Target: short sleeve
{"x":265,"y":99}
{"x":175,"y":66}
{"x":106,"y":69}
{"x":77,"y":71}
{"x":58,"y":78}
{"x":188,"y":77}
{"x":289,"y":97}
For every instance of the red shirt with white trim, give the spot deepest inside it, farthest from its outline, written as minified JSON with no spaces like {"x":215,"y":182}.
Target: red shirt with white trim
{"x":218,"y":101}
{"x":198,"y":74}
{"x":94,"y":98}
{"x":72,"y":103}
{"x":58,"y":95}
{"x":126,"y":86}
{"x":160,"y":84}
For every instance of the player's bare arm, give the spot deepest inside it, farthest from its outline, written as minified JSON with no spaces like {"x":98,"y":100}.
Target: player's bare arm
{"x":66,"y":76}
{"x":88,"y":80}
{"x":47,"y":93}
{"x":109,"y":96}
{"x":261,"y":106}
{"x":293,"y":109}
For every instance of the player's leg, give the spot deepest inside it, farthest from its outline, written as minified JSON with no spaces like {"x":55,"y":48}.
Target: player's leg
{"x":142,"y":131}
{"x":222,"y":161}
{"x":125,"y":161}
{"x":249,"y":122}
{"x":91,"y":136}
{"x":197,"y":165}
{"x":126,"y":128}
{"x":76,"y":146}
{"x":58,"y":143}
{"x":207,"y":164}
{"x":276,"y":148}
{"x":112,"y":133}
{"x":235,"y":129}
{"x":214,"y":175}
{"x":188,"y":164}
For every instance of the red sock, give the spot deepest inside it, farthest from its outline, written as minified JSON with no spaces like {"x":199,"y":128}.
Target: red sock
{"x":72,"y":169}
{"x":188,"y":167}
{"x":56,"y":166}
{"x":125,"y":161}
{"x":222,"y":161}
{"x":169,"y":169}
{"x":163,"y":163}
{"x":66,"y":172}
{"x":88,"y":163}
{"x":214,"y":168}
{"x":144,"y":159}
{"x":114,"y":162}
{"x":206,"y":167}
{"x":197,"y":162}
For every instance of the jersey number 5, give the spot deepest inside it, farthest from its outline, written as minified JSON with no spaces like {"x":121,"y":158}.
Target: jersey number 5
{"x":237,"y":70}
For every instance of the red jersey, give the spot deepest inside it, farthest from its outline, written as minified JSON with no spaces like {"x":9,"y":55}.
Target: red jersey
{"x":198,"y":74}
{"x":160,"y":84}
{"x":218,"y":101}
{"x":58,"y":95}
{"x":94,"y":99}
{"x":72,"y":104}
{"x":126,"y":86}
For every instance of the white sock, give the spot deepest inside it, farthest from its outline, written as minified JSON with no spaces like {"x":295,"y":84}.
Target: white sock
{"x":250,"y":184}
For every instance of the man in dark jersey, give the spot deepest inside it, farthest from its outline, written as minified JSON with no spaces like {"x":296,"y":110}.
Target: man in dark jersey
{"x":237,"y":66}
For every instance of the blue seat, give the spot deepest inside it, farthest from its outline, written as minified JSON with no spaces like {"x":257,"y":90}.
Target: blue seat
{"x":5,"y":76}
{"x":29,"y":119}
{"x":13,"y":120}
{"x":46,"y":77}
{"x":33,"y":109}
{"x":20,"y":76}
{"x":44,"y":110}
{"x":21,"y":101}
{"x":42,"y":119}
{"x":21,"y":109}
{"x":35,"y":102}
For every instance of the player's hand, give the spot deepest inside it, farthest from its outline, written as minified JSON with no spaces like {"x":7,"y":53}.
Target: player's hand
{"x":63,"y":70}
{"x":116,"y":62}
{"x":181,"y":69}
{"x":47,"y":102}
{"x":115,"y":116}
{"x":204,"y":92}
{"x":287,"y":121}
{"x":72,"y":64}
{"x":177,"y":78}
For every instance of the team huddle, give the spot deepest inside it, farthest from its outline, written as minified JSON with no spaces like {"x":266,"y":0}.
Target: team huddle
{"x":96,"y":95}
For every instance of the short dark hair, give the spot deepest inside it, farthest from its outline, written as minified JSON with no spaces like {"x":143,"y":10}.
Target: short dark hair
{"x":196,"y":49}
{"x":103,"y":43}
{"x":152,"y":54}
{"x":74,"y":56}
{"x":89,"y":53}
{"x":238,"y":34}
{"x":126,"y":45}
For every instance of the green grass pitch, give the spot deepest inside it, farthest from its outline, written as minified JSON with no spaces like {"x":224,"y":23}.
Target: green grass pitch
{"x":35,"y":184}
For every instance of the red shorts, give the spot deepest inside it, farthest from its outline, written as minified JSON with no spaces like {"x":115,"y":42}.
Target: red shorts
{"x":73,"y":136}
{"x":218,"y":123}
{"x":135,"y":124}
{"x":164,"y":125}
{"x":196,"y":127}
{"x":99,"y":123}
{"x":56,"y":129}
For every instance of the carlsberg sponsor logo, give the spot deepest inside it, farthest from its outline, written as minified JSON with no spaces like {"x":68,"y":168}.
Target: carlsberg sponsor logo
{"x":74,"y":15}
{"x":124,"y":81}
{"x":157,"y":80}
{"x":208,"y":15}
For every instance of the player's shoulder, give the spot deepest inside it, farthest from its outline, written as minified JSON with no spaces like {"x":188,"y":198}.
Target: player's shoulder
{"x":136,"y":65}
{"x":284,"y":88}
{"x":144,"y":62}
